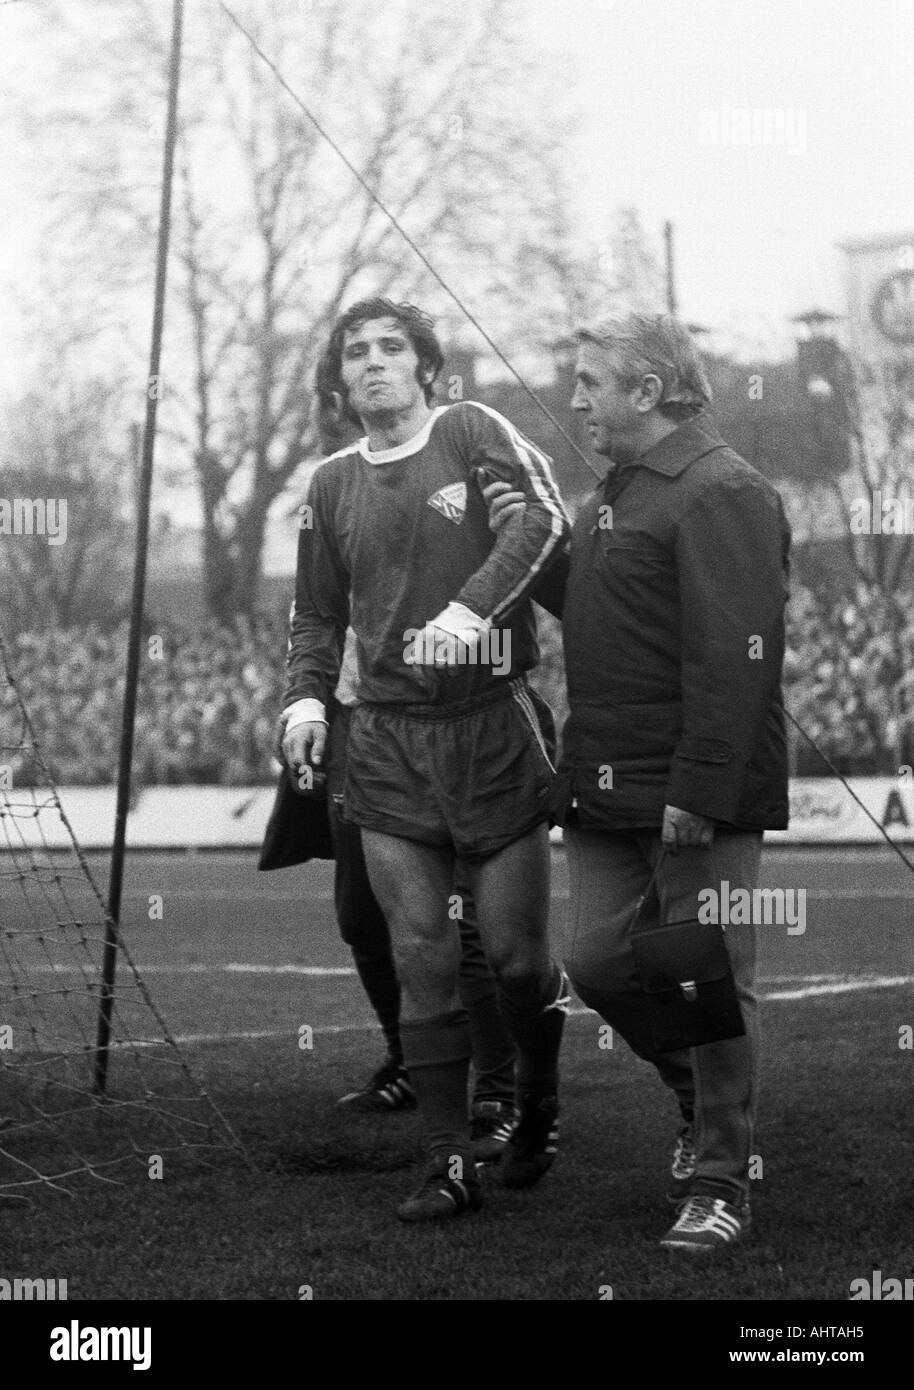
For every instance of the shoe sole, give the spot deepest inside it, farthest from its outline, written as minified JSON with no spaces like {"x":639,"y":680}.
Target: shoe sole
{"x":686,"y":1248}
{"x":415,"y":1218}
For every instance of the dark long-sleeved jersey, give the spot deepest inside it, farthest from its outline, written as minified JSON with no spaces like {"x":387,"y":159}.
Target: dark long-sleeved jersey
{"x":389,"y":538}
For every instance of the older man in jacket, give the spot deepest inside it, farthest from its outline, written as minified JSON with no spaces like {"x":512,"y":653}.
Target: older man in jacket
{"x":674,"y":753}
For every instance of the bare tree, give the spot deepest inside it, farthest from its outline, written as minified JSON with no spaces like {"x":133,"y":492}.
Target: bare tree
{"x":618,"y":273}
{"x":877,"y":411}
{"x":64,"y":507}
{"x":448,"y":123}
{"x":855,"y":686}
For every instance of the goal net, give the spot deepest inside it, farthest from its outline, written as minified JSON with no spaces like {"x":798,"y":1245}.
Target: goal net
{"x":57,"y":1128}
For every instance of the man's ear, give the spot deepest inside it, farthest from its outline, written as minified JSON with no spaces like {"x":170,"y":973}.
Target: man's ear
{"x":651,"y":393}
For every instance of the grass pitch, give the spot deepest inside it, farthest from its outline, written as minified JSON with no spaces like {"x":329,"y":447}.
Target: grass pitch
{"x":314,"y":1215}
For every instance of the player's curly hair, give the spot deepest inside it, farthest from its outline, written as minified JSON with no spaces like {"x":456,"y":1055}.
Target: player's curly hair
{"x":656,"y":345}
{"x":418,"y":327}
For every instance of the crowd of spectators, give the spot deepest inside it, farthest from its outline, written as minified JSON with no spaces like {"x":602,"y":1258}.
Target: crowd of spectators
{"x":849,"y":678}
{"x":206,"y":709}
{"x":209,"y":695}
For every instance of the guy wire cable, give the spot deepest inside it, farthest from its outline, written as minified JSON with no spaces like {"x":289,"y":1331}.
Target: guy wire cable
{"x":541,"y":405}
{"x":410,"y":242}
{"x":865,"y":809}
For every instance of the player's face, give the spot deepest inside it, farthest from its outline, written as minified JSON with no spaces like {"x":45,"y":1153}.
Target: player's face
{"x":611,"y":410}
{"x":379,"y":365}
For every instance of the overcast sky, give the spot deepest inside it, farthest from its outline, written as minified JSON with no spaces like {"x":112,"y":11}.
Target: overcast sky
{"x":667,"y":90}
{"x":664,"y":83}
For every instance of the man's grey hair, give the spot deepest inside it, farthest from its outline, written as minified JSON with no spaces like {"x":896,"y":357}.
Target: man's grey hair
{"x":656,"y":345}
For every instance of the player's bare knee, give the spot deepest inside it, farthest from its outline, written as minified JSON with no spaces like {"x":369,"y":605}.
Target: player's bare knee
{"x":427,"y":959}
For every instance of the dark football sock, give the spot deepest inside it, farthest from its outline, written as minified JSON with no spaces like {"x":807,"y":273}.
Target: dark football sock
{"x":537,"y":1028}
{"x":437,"y":1055}
{"x":494,"y":1053}
{"x":380,"y":983}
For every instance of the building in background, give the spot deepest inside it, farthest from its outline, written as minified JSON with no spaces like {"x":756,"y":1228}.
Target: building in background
{"x":880,"y":298}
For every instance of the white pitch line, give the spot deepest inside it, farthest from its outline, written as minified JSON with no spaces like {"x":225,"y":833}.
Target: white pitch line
{"x":861,"y":894}
{"x":830,"y":894}
{"x":842,"y":987}
{"x":230,"y":895}
{"x":239,"y":968}
{"x":198,"y":968}
{"x":877,"y":853}
{"x":214,"y":895}
{"x":807,"y":979}
{"x":811,"y":984}
{"x":188,"y":1039}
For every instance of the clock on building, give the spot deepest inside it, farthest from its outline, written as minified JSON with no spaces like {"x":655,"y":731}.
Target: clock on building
{"x":893,"y":307}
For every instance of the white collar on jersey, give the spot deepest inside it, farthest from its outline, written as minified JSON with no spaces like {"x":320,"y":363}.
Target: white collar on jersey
{"x":400,"y":451}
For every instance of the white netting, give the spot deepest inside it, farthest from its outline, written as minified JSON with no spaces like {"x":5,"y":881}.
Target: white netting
{"x":55,"y":1125}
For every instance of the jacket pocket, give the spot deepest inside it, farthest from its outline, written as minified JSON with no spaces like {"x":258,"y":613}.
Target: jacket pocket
{"x":622,"y":553}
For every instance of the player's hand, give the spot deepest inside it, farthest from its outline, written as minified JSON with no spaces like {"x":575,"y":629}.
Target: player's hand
{"x":685,"y":830}
{"x":304,"y":744}
{"x":503,"y":502}
{"x":435,"y":646}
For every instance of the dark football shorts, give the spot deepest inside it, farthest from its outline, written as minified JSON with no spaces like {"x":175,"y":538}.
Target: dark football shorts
{"x":475,"y":776}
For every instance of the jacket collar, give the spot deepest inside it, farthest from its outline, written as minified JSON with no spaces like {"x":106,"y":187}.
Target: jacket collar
{"x":689,"y":441}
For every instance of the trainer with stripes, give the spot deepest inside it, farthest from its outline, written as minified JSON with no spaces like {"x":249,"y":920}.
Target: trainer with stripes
{"x":446,"y":756}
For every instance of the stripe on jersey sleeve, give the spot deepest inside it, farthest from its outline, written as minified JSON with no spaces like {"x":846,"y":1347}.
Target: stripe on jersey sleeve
{"x":536,"y":466}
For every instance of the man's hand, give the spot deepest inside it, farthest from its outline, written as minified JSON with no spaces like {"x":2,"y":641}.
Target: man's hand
{"x":685,"y":830}
{"x":450,"y":639}
{"x":503,"y":503}
{"x":304,"y":743}
{"x":435,"y":646}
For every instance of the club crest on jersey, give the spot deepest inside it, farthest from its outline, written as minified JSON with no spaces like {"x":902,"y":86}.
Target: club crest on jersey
{"x":450,"y":501}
